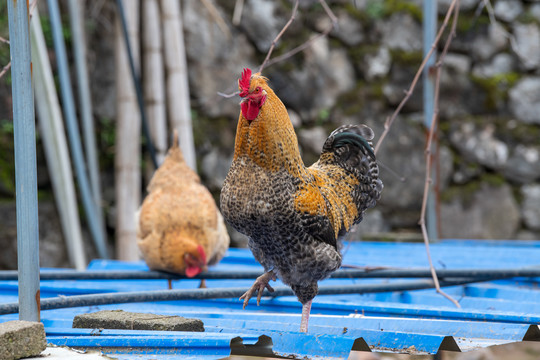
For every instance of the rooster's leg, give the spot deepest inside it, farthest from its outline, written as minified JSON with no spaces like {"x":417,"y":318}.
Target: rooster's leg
{"x":259,"y":285}
{"x":306,"y":309}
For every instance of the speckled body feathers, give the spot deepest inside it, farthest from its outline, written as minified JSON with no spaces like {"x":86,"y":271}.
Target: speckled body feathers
{"x":177,"y":215}
{"x":294,"y":215}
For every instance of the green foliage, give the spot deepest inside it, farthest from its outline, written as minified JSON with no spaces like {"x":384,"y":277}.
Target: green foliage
{"x":323,"y":116}
{"x":493,"y":179}
{"x":496,"y":87}
{"x":407,"y":58}
{"x":528,"y":17}
{"x":6,"y":127}
{"x":47,"y":31}
{"x":107,"y":140}
{"x":4,"y":48}
{"x":222,"y":134}
{"x":376,"y":9}
{"x":471,"y":21}
{"x":7,"y":158}
{"x":357,"y":53}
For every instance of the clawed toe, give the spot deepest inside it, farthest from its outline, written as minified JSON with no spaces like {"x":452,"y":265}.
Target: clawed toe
{"x":259,"y":285}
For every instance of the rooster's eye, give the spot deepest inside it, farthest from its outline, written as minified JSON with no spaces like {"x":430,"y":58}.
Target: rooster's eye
{"x":257,"y":90}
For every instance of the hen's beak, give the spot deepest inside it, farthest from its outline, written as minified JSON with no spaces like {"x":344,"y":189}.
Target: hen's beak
{"x":193,"y":265}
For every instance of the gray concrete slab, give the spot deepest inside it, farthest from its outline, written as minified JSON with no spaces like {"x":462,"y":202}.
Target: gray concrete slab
{"x":21,"y":339}
{"x":119,"y":319}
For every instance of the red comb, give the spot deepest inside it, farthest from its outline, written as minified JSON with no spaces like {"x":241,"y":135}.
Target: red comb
{"x":244,"y":82}
{"x":202,"y":253}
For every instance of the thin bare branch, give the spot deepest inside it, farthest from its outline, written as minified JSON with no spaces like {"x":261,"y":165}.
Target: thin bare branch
{"x":274,"y":42}
{"x":5,"y":69}
{"x":389,"y":121}
{"x":391,"y":171}
{"x":506,"y":34}
{"x":228,"y":95}
{"x":432,"y":128}
{"x":6,"y":41}
{"x":237,"y":14}
{"x":214,"y":13}
{"x":32,"y":7}
{"x":308,"y":43}
{"x":267,"y":61}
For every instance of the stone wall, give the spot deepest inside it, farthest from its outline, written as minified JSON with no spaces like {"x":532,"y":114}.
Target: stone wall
{"x":489,"y":136}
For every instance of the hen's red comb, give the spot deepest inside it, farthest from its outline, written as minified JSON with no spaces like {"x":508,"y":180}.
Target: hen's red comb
{"x":244,"y":82}
{"x":200,"y":249}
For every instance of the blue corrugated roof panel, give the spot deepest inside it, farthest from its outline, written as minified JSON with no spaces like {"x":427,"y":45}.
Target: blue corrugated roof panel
{"x":492,"y":312}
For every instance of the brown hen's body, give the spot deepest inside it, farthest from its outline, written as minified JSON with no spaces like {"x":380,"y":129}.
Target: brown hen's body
{"x":294,"y":215}
{"x":179,"y":217}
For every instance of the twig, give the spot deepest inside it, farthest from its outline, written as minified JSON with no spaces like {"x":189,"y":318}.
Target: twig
{"x":307,"y":43}
{"x":228,"y":95}
{"x":291,"y":19}
{"x":5,"y":69}
{"x":434,"y":120}
{"x":389,"y":121}
{"x":329,"y":12}
{"x":32,"y":7}
{"x":267,"y":62}
{"x":493,"y":21}
{"x":237,"y":14}
{"x":5,"y":41}
{"x":214,"y":13}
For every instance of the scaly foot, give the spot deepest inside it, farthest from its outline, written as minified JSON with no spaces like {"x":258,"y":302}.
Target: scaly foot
{"x":306,"y":309}
{"x":259,"y":285}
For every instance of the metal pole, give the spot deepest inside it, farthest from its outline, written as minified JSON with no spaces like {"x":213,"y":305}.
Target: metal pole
{"x":253,"y":274}
{"x":429,"y":32}
{"x":25,"y":161}
{"x":73,"y":128}
{"x":224,"y":293}
{"x":76,"y":20}
{"x":51,"y":129}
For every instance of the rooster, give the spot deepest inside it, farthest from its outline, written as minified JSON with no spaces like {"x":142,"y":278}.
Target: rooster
{"x":180,"y":228}
{"x":294,"y":215}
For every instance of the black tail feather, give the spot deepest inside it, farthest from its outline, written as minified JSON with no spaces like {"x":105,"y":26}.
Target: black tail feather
{"x":349,"y":138}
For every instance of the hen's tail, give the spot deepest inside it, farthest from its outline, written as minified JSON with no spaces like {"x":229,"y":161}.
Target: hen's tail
{"x":350,"y":147}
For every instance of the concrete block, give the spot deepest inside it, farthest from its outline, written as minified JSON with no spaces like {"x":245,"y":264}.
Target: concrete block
{"x":119,"y":319}
{"x":21,"y":339}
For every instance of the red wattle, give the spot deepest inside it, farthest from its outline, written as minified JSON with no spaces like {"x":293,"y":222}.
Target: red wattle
{"x":192,"y":271}
{"x":251,"y":109}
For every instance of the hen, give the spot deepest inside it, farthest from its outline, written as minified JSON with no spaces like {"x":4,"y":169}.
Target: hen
{"x":294,"y":215}
{"x":180,"y":228}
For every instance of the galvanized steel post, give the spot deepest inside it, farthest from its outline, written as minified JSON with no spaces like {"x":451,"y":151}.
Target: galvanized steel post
{"x":76,"y":20}
{"x":68,"y":105}
{"x":25,"y":161}
{"x":429,"y":32}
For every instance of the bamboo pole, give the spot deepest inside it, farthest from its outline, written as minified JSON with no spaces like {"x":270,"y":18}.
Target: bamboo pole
{"x":154,"y":88}
{"x":178,"y":106}
{"x":128,"y":131}
{"x":55,"y":145}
